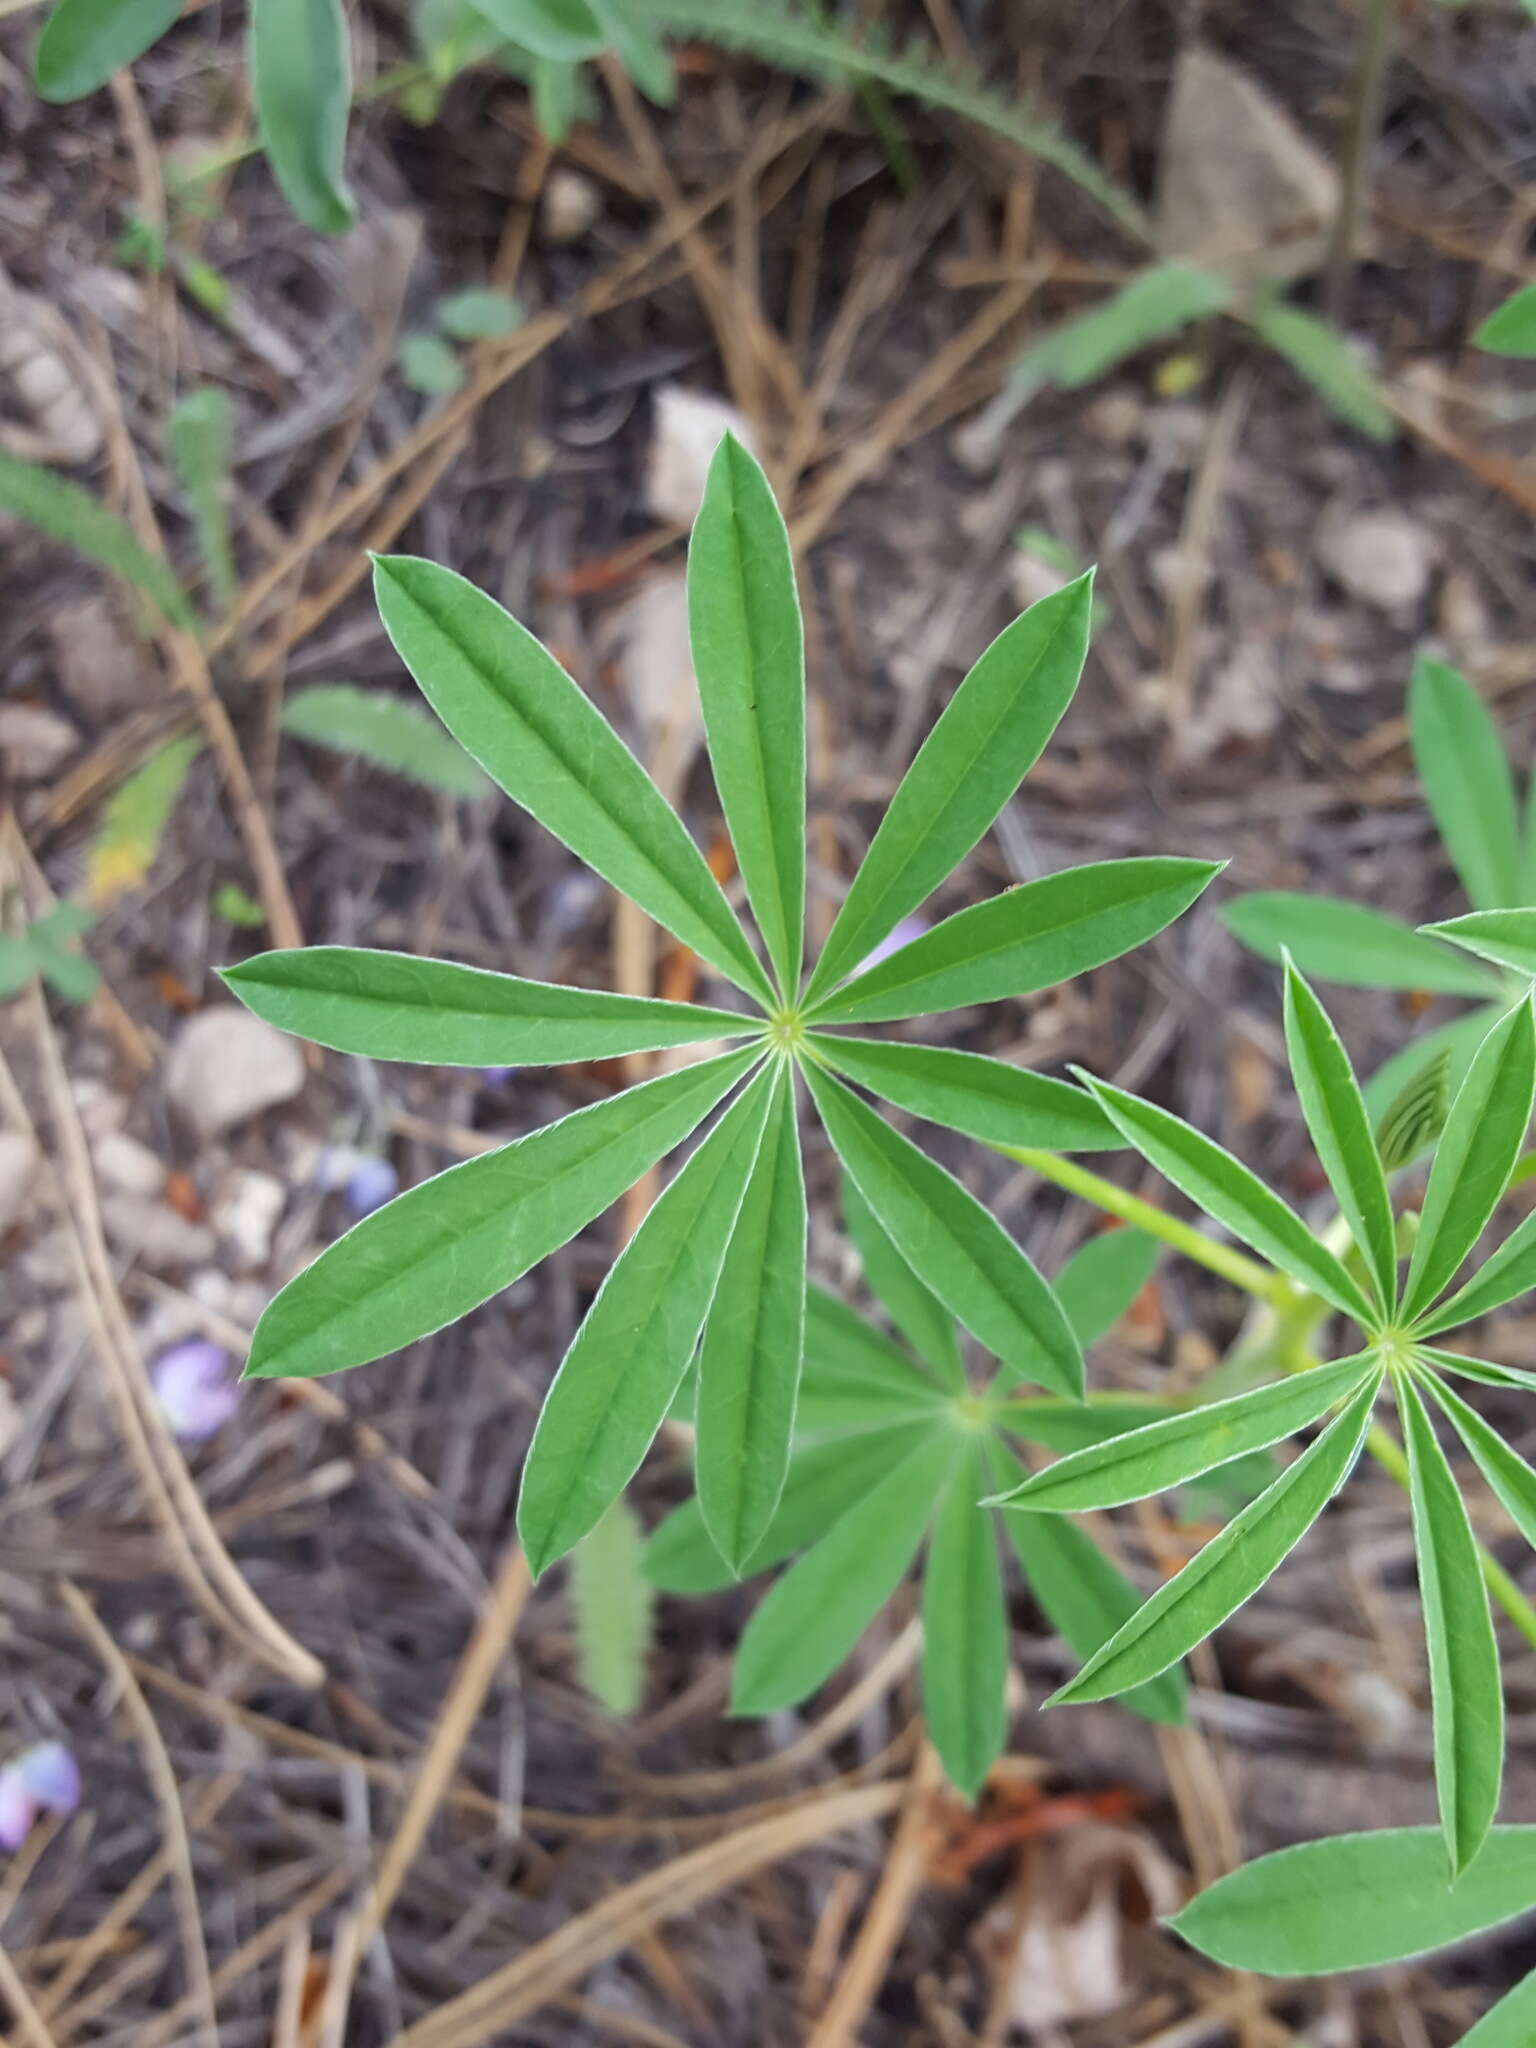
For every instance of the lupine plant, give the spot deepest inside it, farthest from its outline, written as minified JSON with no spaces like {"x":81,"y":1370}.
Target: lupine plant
{"x":718,"y":1264}
{"x":1490,"y":841}
{"x":896,"y":1443}
{"x":1401,"y":1319}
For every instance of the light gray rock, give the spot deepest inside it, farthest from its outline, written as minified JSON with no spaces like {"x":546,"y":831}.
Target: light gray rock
{"x":1382,"y":557}
{"x":1241,"y":189}
{"x":154,"y":1231}
{"x":227,"y":1066}
{"x":34,"y":742}
{"x":122,"y":1162}
{"x":245,"y":1214}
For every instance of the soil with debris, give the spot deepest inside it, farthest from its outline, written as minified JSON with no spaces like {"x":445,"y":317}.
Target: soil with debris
{"x":251,"y":1704}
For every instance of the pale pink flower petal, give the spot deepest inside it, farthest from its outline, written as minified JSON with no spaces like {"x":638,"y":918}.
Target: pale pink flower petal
{"x":909,"y":929}
{"x":18,"y":1809}
{"x":50,"y":1774}
{"x":193,"y":1387}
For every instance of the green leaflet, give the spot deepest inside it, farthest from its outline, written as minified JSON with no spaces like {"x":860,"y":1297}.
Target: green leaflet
{"x":67,"y":513}
{"x":965,"y":1633}
{"x":1102,"y":1279}
{"x":611,"y":1601}
{"x":811,"y":1618}
{"x":1232,"y":1566}
{"x":1512,"y":2022}
{"x":1166,"y":1454}
{"x":1510,"y":329}
{"x":1341,"y":1133}
{"x":1479,"y":1145}
{"x":1463,"y":1654}
{"x":1028,"y":938}
{"x":200,"y":432}
{"x":1319,"y":353}
{"x":638,"y":47}
{"x":516,"y":710}
{"x":301,"y":85}
{"x":566,"y":30}
{"x":1465,"y":772}
{"x":626,"y":1362}
{"x":821,"y":1482}
{"x":1225,"y":1189}
{"x":1507,"y":937}
{"x":1084,"y":1596}
{"x":1345,"y":942}
{"x":1353,"y":1902}
{"x":1155,"y":304}
{"x":854,"y":1378}
{"x":1477,"y":1369}
{"x":388,"y":732}
{"x":953,"y":1245}
{"x":442,"y":1248}
{"x":392,"y":1006}
{"x":1510,"y":1479}
{"x":749,"y":657}
{"x":984,"y":743}
{"x":966,"y":1091}
{"x":1508,"y":1272}
{"x":478,"y":314}
{"x":85,"y":41}
{"x":916,"y":1312}
{"x":749,"y":1363}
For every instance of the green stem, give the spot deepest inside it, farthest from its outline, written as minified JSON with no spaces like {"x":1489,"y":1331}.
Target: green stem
{"x":1234,"y":1266}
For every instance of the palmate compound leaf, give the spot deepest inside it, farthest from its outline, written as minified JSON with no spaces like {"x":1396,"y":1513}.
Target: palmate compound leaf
{"x":1166,"y":1454}
{"x":442,"y":1248}
{"x":1029,"y":938}
{"x":626,"y":1362}
{"x":1355,"y":1902}
{"x":749,"y":1362}
{"x":953,"y":1245}
{"x":1482,"y":1139}
{"x":986,"y":740}
{"x":1465,"y":1690}
{"x":510,"y":704}
{"x":749,"y":657}
{"x":965,"y":1631}
{"x":393,"y":1006}
{"x":811,"y":1618}
{"x":1341,"y":1133}
{"x":1228,"y":1192}
{"x":1231,"y":1567}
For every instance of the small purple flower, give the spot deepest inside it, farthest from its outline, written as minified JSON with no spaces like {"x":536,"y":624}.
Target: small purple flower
{"x":367,"y":1181}
{"x":493,"y":1077}
{"x":192,"y":1385}
{"x":909,"y":929}
{"x":42,"y":1779}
